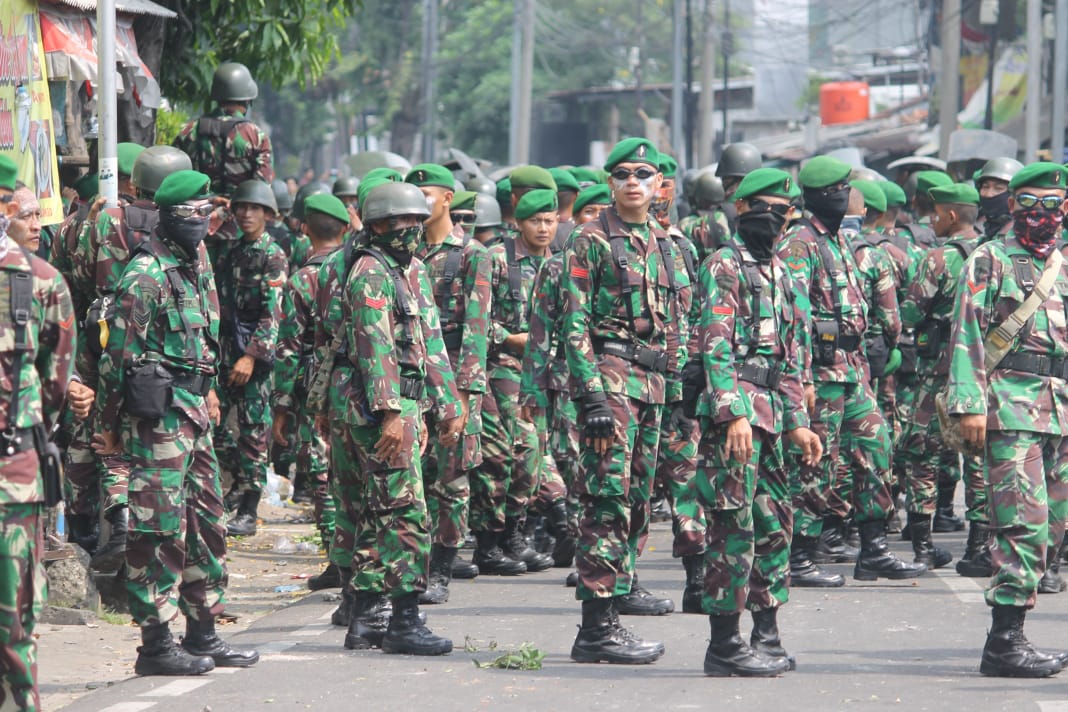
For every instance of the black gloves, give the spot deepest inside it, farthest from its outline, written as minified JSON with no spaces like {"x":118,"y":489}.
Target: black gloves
{"x":597,"y":418}
{"x":680,"y":421}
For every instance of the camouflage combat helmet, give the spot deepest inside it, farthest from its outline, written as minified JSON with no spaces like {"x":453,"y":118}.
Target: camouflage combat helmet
{"x":347,"y":187}
{"x":392,"y":200}
{"x":487,"y":211}
{"x":281,"y":195}
{"x":255,"y":192}
{"x":233,"y":82}
{"x":738,"y":160}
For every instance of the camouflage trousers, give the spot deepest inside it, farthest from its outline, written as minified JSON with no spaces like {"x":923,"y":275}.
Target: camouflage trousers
{"x":313,"y":460}
{"x":395,"y":509}
{"x":446,"y":477}
{"x":93,"y":482}
{"x":354,"y":536}
{"x":1027,"y":490}
{"x":245,"y":451}
{"x":22,"y":593}
{"x":906,"y":385}
{"x":613,"y":491}
{"x":855,"y":469}
{"x":676,"y":465}
{"x":750,"y":523}
{"x":176,"y":546}
{"x":563,"y":441}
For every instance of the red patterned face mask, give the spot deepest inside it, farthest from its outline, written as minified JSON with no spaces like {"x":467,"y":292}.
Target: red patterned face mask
{"x":1037,"y":229}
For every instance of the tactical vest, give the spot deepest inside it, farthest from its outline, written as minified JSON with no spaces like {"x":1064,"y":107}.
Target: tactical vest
{"x":217,"y":131}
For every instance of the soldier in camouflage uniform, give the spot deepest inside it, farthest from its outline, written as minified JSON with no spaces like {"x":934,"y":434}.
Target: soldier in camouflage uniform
{"x":707,"y":229}
{"x":567,"y":191}
{"x":621,"y":334}
{"x":159,"y":364}
{"x":838,"y":391}
{"x":1015,"y":415}
{"x":747,"y":383}
{"x":736,"y":161}
{"x":993,"y":186}
{"x":393,"y":341}
{"x":39,"y":356}
{"x":249,"y":278}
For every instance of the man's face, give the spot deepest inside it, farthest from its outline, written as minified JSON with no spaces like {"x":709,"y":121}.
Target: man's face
{"x":992,"y":187}
{"x":538,"y":230}
{"x":400,"y":222}
{"x":944,"y":219}
{"x":589,"y":213}
{"x":438,"y":200}
{"x":26,"y":226}
{"x":1024,"y":194}
{"x":251,"y":218}
{"x":635,"y":185}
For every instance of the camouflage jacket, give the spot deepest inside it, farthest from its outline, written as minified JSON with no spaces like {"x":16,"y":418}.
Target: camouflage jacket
{"x":463,"y":302}
{"x":227,"y":147}
{"x":250,"y":279}
{"x":896,"y":249}
{"x":544,"y":362}
{"x":597,"y":310}
{"x":63,"y":249}
{"x":707,"y":231}
{"x":154,"y":321}
{"x":295,"y":246}
{"x":688,"y":306}
{"x":45,"y":369}
{"x":879,"y":285}
{"x":104,"y":246}
{"x":801,"y":251}
{"x":510,"y":303}
{"x":392,"y":336}
{"x":988,"y":291}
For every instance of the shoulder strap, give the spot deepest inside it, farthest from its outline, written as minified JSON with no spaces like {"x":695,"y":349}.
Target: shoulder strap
{"x":667,"y":254}
{"x":999,"y":341}
{"x":403,"y":303}
{"x":967,"y":247}
{"x":618,"y":243}
{"x":21,"y":293}
{"x":827,"y":259}
{"x":452,"y":269}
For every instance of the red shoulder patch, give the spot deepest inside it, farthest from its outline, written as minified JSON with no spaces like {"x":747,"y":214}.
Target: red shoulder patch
{"x":276,"y":282}
{"x":725,"y":311}
{"x":975,"y":288}
{"x":481,"y":283}
{"x":67,"y":323}
{"x":580,"y":273}
{"x":379,"y":303}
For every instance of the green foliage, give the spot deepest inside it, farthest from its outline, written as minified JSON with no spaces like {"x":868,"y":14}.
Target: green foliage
{"x":526,"y":657}
{"x":168,"y":123}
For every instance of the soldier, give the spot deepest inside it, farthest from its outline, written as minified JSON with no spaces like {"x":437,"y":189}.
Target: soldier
{"x":158,"y":366}
{"x":295,"y":245}
{"x":620,"y":338}
{"x":458,"y":269}
{"x":462,"y":211}
{"x":348,"y":190}
{"x":837,"y":386}
{"x":225,"y":144}
{"x":749,"y":391}
{"x":25,"y":230}
{"x":37,"y":363}
{"x":250,"y":278}
{"x":707,"y":228}
{"x":488,"y":228}
{"x":919,"y":232}
{"x":1006,"y":386}
{"x":993,"y":186}
{"x":590,"y":202}
{"x":393,"y":341}
{"x":736,"y":161}
{"x":567,"y":191}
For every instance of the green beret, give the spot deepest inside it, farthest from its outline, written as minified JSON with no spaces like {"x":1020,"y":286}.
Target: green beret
{"x":823,"y":171}
{"x":596,"y":194}
{"x":1040,"y":175}
{"x":540,"y":200}
{"x":128,"y":153}
{"x":426,"y":175}
{"x":87,"y":186}
{"x":585,"y":175}
{"x":874,"y":197}
{"x":8,"y":171}
{"x":369,"y":182}
{"x":181,"y":186}
{"x":956,"y":193}
{"x":668,"y":165}
{"x":326,"y":204}
{"x":767,"y":181}
{"x":925,"y":180}
{"x":389,"y":174}
{"x":564,"y":180}
{"x":633,"y":150}
{"x":504,"y":191}
{"x":895,"y":195}
{"x":463,"y":200}
{"x":978,"y":175}
{"x":532,"y":177}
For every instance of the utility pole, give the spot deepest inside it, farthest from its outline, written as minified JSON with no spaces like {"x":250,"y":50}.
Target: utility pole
{"x":1060,"y":80}
{"x":107,"y":107}
{"x":513,"y":100}
{"x":522,"y":83}
{"x":689,"y":84}
{"x":1034,"y":80}
{"x":948,"y":77}
{"x":988,"y":18}
{"x":728,"y":47}
{"x":430,"y":51}
{"x":706,"y":134}
{"x":678,"y":145}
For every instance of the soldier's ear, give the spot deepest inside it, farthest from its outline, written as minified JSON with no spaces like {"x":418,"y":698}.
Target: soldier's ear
{"x":11,"y":207}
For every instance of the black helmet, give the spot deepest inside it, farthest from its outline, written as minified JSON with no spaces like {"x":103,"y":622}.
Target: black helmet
{"x":233,"y":82}
{"x":708,"y":190}
{"x":346,"y":187}
{"x":738,"y":160}
{"x":281,"y":195}
{"x":487,"y":211}
{"x":255,"y":192}
{"x":156,"y":163}
{"x":304,"y":191}
{"x":393,"y":199}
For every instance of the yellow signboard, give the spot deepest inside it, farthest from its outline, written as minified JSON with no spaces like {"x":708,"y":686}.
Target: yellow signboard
{"x":26,"y":132}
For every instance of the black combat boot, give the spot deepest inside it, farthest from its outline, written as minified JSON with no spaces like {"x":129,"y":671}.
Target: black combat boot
{"x":83,"y":530}
{"x":976,"y":561}
{"x":922,"y":545}
{"x":370,"y":618}
{"x":831,"y":547}
{"x":639,"y":602}
{"x":695,"y":583}
{"x":112,"y":555}
{"x":232,"y":499}
{"x":945,"y":520}
{"x":728,"y":654}
{"x":437,"y":590}
{"x":159,"y":654}
{"x":564,"y":549}
{"x":602,"y":638}
{"x":342,"y":615}
{"x":876,"y":560}
{"x":803,"y":572}
{"x":464,"y":569}
{"x":1051,"y":581}
{"x":408,"y":635}
{"x":515,"y":546}
{"x":244,"y":524}
{"x":1008,"y":653}
{"x":572,"y":580}
{"x":491,"y":560}
{"x":329,"y":578}
{"x":201,"y":639}
{"x":765,"y":637}
{"x":302,"y":493}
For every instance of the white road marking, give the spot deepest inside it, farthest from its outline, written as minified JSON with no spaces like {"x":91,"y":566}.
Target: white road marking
{"x":1052,"y":706}
{"x":224,"y":671}
{"x":129,"y":707}
{"x":967,"y":590}
{"x":326,"y":616}
{"x":176,"y":688}
{"x":277,"y":646}
{"x":311,"y":630}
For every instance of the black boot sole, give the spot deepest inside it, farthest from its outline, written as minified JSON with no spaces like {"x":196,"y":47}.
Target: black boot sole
{"x":892,"y":576}
{"x":994,"y":670}
{"x":581,"y":655}
{"x":151,"y":668}
{"x":717,"y":669}
{"x":966,"y":568}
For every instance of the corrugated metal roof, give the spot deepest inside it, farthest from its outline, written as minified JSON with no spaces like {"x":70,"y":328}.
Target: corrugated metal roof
{"x":134,"y":7}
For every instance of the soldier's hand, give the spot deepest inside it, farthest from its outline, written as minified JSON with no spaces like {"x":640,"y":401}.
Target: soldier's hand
{"x":809,"y":442}
{"x":529,"y":413}
{"x":424,"y":438}
{"x":354,"y":220}
{"x":214,"y":410}
{"x":973,"y":430}
{"x":810,"y":399}
{"x":739,"y":440}
{"x":389,"y":443}
{"x":220,"y":215}
{"x":105,"y":444}
{"x":242,"y":370}
{"x":516,"y":343}
{"x":278,"y":428}
{"x":450,"y":431}
{"x":81,"y":399}
{"x":598,"y":422}
{"x":95,"y":208}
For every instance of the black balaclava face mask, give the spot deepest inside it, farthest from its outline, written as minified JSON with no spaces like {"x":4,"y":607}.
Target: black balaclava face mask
{"x":186,"y":233}
{"x":830,"y":208}
{"x":995,"y":207}
{"x":759,"y":230}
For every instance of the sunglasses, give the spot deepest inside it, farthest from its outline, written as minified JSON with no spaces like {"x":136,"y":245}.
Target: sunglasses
{"x":1049,"y":202}
{"x":188,"y":211}
{"x":832,"y":189}
{"x":623,"y":174}
{"x":759,"y":206}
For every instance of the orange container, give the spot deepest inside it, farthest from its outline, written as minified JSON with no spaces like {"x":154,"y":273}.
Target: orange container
{"x":844,"y":102}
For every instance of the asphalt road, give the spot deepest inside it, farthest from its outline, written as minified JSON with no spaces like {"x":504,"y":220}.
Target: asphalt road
{"x":904,"y":645}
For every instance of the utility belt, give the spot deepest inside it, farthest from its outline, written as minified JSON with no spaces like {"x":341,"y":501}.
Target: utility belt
{"x":828,"y":340}
{"x":763,"y":376}
{"x":15,"y":440}
{"x":453,"y":339}
{"x":198,"y":384}
{"x":651,"y":359}
{"x":413,"y":388}
{"x":1036,"y":364}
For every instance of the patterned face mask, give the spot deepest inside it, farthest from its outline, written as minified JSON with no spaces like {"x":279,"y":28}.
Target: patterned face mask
{"x":1037,"y":229}
{"x":401,"y":242}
